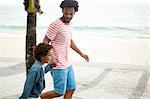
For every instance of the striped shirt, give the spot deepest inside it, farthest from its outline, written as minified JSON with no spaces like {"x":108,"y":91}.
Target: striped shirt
{"x":60,"y":35}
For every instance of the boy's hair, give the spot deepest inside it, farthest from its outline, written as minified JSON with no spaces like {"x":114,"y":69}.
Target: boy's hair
{"x":69,"y":3}
{"x":41,"y":49}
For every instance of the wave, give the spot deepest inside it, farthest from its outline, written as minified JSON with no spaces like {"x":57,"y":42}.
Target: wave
{"x":12,"y":27}
{"x":112,"y":28}
{"x":113,"y":31}
{"x":84,"y":28}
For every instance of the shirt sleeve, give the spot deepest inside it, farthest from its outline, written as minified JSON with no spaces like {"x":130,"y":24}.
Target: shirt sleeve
{"x":52,"y":31}
{"x":29,"y":83}
{"x":48,"y":68}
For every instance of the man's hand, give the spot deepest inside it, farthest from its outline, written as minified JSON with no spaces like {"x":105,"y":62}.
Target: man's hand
{"x":85,"y":57}
{"x":53,"y":62}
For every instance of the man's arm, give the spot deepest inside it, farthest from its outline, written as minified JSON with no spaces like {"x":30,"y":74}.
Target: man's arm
{"x":46,"y":40}
{"x":75,"y":48}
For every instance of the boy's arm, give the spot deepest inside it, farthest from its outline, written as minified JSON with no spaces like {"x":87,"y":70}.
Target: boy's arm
{"x":52,"y":63}
{"x":48,"y":68}
{"x":29,"y":83}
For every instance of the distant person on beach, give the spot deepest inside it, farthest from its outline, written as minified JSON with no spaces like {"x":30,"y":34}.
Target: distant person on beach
{"x":35,"y":81}
{"x":59,"y":35}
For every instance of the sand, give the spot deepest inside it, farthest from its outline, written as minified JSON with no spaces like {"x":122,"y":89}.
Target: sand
{"x":100,"y":50}
{"x":116,"y":66}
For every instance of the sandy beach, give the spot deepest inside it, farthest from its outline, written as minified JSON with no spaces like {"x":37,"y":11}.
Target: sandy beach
{"x":117,"y":68}
{"x":100,"y":50}
{"x":118,"y":51}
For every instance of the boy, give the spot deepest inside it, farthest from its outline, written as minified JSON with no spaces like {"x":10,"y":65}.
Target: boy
{"x":35,"y":81}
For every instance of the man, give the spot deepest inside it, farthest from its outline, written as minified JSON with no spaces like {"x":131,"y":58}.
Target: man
{"x":59,"y":35}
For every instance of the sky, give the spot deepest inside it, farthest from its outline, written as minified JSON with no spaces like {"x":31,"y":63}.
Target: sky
{"x":93,"y":2}
{"x":96,"y":12}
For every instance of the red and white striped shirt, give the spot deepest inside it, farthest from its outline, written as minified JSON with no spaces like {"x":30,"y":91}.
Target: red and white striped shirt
{"x":60,"y":35}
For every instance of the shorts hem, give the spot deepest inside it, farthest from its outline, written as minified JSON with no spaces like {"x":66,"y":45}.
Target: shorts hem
{"x":71,"y":88}
{"x":58,"y":92}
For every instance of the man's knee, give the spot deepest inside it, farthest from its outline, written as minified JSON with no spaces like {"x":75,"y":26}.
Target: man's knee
{"x":71,"y":91}
{"x":58,"y":94}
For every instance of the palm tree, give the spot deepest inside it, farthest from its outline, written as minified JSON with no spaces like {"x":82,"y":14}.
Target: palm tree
{"x":30,"y":39}
{"x":31,"y":6}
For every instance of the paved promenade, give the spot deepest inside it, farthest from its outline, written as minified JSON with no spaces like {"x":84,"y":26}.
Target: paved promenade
{"x":94,"y":81}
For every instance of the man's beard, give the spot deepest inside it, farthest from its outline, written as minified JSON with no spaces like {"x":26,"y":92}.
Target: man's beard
{"x":66,"y":20}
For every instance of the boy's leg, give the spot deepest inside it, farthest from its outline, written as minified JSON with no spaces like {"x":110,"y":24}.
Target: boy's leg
{"x":71,"y":83}
{"x":49,"y":95}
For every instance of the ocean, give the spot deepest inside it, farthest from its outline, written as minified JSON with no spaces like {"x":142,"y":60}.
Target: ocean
{"x":126,"y":22}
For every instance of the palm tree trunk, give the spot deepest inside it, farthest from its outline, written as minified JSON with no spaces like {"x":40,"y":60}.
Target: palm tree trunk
{"x":30,"y":39}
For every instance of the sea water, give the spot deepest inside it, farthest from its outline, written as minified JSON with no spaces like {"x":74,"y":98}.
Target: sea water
{"x":126,"y":22}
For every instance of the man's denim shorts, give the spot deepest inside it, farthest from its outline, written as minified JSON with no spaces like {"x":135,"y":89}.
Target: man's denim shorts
{"x":63,"y":79}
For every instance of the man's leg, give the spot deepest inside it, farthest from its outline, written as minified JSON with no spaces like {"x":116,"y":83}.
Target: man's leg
{"x":71,"y":83}
{"x":59,"y":79}
{"x":69,"y":93}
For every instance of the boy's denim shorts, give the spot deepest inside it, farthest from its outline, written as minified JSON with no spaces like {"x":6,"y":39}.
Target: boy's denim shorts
{"x":63,"y":80}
